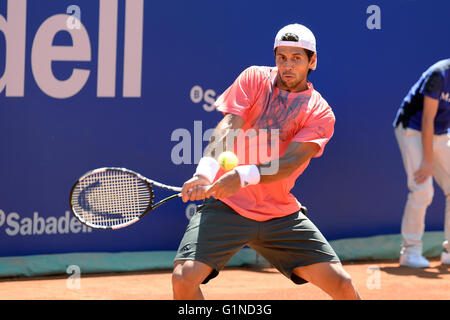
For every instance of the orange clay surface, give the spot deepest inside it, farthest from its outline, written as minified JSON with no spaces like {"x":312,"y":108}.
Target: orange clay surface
{"x":375,"y":280}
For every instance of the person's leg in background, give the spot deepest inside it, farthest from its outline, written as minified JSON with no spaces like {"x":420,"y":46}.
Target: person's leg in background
{"x":419,"y":198}
{"x":441,"y":146}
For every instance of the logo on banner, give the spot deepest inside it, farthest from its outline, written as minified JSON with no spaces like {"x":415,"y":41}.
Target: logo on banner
{"x":13,"y":224}
{"x":199,"y":95}
{"x":445,"y":96}
{"x":44,"y":53}
{"x":190,"y":210}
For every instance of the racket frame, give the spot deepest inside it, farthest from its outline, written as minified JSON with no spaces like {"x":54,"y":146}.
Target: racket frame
{"x":150,"y":183}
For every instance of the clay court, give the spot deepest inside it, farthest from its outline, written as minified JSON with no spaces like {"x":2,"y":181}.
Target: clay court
{"x":375,"y":280}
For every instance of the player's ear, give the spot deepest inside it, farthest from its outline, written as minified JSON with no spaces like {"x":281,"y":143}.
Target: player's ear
{"x":313,"y":62}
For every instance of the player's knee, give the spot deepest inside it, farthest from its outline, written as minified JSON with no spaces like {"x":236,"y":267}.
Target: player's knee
{"x":184,"y":278}
{"x":179,"y":281}
{"x":345,"y":283}
{"x":422,"y":196}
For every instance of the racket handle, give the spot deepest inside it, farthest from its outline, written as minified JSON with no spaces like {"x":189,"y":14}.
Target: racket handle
{"x":175,"y":196}
{"x":208,"y":188}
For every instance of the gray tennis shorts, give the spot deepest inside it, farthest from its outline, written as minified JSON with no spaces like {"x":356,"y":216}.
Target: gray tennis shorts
{"x":216,"y":232}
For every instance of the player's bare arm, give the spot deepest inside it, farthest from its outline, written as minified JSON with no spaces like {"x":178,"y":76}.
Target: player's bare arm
{"x":222,"y":139}
{"x":296,"y":154}
{"x":430,"y":107}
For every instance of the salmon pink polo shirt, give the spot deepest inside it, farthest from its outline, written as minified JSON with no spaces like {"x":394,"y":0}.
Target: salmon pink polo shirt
{"x":273,"y":119}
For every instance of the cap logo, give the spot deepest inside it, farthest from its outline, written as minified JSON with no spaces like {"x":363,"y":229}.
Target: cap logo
{"x":289,"y":37}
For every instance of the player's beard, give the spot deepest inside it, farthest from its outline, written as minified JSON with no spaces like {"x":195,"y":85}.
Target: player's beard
{"x":291,"y":84}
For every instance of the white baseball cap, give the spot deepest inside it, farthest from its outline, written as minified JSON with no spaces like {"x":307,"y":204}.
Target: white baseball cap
{"x":306,"y":39}
{"x":298,"y":35}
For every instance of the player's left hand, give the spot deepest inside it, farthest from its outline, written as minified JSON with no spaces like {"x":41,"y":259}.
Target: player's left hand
{"x":225,"y":186}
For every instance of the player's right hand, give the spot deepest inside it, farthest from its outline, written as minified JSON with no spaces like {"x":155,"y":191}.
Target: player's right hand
{"x":424,"y":172}
{"x":194,"y":189}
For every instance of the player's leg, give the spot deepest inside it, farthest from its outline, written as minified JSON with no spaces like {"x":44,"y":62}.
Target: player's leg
{"x":331,"y":278}
{"x":214,"y":234}
{"x":441,"y":168}
{"x":419,"y":196}
{"x":186,"y":279}
{"x":296,"y":247}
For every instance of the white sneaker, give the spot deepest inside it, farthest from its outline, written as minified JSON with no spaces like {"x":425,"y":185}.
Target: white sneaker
{"x":445,"y":257}
{"x":414,"y":261}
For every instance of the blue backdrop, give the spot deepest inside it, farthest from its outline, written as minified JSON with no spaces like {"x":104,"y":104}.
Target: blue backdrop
{"x":191,"y":52}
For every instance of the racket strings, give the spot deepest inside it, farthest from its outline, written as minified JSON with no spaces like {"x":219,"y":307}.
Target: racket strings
{"x":111,"y":198}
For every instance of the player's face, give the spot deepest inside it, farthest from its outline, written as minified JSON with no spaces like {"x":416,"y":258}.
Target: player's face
{"x":293,"y":65}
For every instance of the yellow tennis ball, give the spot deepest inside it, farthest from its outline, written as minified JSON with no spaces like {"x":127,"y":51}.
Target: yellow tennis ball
{"x":227,"y":160}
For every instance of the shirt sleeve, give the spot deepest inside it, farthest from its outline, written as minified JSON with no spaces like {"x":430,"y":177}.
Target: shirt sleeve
{"x":318,"y":129}
{"x":241,"y":95}
{"x":432,"y":86}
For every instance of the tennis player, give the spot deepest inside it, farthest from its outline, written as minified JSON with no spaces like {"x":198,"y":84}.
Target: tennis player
{"x":251,"y":205}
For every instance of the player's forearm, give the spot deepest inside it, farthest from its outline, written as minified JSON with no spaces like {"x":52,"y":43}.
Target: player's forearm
{"x":223,"y":136}
{"x":427,"y":138}
{"x":285,"y":169}
{"x":430,"y":107}
{"x":287,"y":165}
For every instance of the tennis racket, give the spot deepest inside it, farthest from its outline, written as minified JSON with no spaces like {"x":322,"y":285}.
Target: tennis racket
{"x":113,"y":198}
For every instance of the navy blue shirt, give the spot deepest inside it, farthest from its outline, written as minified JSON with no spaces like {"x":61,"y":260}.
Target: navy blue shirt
{"x":434,"y":83}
